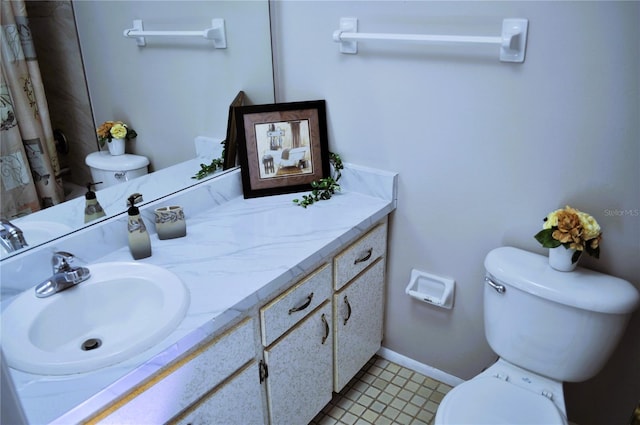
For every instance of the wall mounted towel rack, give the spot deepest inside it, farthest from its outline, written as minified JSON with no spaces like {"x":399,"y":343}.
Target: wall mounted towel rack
{"x":512,"y":40}
{"x":215,"y":33}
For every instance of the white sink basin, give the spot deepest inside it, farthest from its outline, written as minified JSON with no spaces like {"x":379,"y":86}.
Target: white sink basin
{"x":123,"y":309}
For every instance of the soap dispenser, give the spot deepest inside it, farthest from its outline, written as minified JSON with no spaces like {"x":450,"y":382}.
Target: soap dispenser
{"x":92,"y":209}
{"x":139,"y":241}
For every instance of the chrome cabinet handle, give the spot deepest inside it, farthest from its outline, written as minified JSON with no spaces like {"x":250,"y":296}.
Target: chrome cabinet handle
{"x":303,"y":306}
{"x":326,"y":329}
{"x":499,"y":288}
{"x":346,"y":319}
{"x":365,"y":258}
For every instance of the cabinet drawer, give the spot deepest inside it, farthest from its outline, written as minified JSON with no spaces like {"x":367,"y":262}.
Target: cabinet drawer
{"x":293,"y":305}
{"x":360,"y":255}
{"x":181,"y":384}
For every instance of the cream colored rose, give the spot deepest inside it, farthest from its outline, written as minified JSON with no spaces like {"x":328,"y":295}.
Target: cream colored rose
{"x":552,"y":220}
{"x":119,"y":131}
{"x":591,"y":228}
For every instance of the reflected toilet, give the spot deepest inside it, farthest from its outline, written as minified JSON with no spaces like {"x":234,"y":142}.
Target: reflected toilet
{"x":113,"y":169}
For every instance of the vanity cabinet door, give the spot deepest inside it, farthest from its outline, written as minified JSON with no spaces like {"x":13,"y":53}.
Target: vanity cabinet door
{"x":300,"y":378}
{"x":186,"y":381}
{"x":236,"y":401}
{"x":358,"y":319}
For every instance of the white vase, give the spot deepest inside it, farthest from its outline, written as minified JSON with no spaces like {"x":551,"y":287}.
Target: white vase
{"x":560,"y":259}
{"x":116,"y":146}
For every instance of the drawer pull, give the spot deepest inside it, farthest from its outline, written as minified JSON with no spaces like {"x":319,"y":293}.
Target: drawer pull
{"x":346,"y":319}
{"x":365,"y":258}
{"x":303,"y":306}
{"x":326,"y":329}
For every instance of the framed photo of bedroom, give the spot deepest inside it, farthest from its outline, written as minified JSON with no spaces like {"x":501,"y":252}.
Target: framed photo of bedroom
{"x":282,"y":147}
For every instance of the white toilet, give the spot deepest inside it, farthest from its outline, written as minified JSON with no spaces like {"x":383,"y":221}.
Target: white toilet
{"x":113,"y":169}
{"x":547,"y":327}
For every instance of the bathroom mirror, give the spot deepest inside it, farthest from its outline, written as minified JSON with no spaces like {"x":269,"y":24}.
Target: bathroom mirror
{"x":170,"y":91}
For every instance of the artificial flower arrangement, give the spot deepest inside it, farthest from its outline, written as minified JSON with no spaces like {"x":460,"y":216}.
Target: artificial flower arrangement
{"x":114,"y":130}
{"x":572,"y":229}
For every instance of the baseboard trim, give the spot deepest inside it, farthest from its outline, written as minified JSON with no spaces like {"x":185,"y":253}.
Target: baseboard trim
{"x":422,"y":368}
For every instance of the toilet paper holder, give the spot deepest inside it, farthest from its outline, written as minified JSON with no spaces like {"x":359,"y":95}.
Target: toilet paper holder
{"x":431,"y":289}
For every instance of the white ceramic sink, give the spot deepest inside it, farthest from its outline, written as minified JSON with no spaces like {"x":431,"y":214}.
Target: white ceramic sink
{"x":123,"y":309}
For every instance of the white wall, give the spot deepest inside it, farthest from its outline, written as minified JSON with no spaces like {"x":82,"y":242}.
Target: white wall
{"x":484,"y":150}
{"x":173,"y":90}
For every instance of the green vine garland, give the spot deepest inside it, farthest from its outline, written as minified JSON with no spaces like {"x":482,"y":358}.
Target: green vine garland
{"x":324,"y":189}
{"x":205,"y":170}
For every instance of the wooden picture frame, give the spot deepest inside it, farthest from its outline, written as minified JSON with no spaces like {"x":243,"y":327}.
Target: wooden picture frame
{"x":282,"y":147}
{"x":231,"y":142}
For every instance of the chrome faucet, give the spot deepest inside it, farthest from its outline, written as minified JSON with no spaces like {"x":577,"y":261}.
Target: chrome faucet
{"x":64,"y":275}
{"x":11,"y":236}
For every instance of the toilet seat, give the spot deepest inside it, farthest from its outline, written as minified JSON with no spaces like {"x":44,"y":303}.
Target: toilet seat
{"x":490,"y":400}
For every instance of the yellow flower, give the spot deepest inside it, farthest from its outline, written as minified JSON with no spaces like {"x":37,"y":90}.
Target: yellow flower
{"x":119,"y":131}
{"x":551,"y":220}
{"x":572,"y":229}
{"x":590,"y":225}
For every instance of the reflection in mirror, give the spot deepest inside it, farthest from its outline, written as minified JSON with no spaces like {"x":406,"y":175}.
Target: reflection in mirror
{"x":54,"y":222}
{"x":171,"y":91}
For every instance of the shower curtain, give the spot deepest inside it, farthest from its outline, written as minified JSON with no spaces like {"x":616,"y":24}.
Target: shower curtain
{"x":28,"y":160}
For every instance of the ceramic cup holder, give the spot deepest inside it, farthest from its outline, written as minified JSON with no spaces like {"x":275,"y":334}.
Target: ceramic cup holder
{"x":170,"y":222}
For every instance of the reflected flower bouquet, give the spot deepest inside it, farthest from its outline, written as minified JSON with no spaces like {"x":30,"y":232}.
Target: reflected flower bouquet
{"x":572,"y":229}
{"x":114,"y":130}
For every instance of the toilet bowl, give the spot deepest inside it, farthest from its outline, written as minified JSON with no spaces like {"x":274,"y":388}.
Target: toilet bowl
{"x":547,"y":327}
{"x":113,"y":169}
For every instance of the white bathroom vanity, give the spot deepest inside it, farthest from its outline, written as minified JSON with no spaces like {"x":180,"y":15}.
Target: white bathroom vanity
{"x":286,"y":305}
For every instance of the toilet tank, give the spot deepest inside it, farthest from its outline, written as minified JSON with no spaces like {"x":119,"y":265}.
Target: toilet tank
{"x":113,"y":169}
{"x":562,"y":325}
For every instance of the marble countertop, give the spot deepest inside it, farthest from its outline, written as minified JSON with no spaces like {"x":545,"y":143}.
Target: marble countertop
{"x":236,"y":255}
{"x":50,"y":223}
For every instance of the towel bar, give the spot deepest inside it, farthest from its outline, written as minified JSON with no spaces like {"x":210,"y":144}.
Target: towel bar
{"x":512,"y":41}
{"x":215,"y":33}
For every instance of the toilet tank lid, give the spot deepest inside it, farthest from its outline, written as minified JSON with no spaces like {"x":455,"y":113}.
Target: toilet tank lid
{"x":105,"y":161}
{"x":582,"y":288}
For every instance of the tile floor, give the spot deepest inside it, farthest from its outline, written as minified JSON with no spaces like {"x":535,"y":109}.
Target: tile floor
{"x":384,"y":393}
